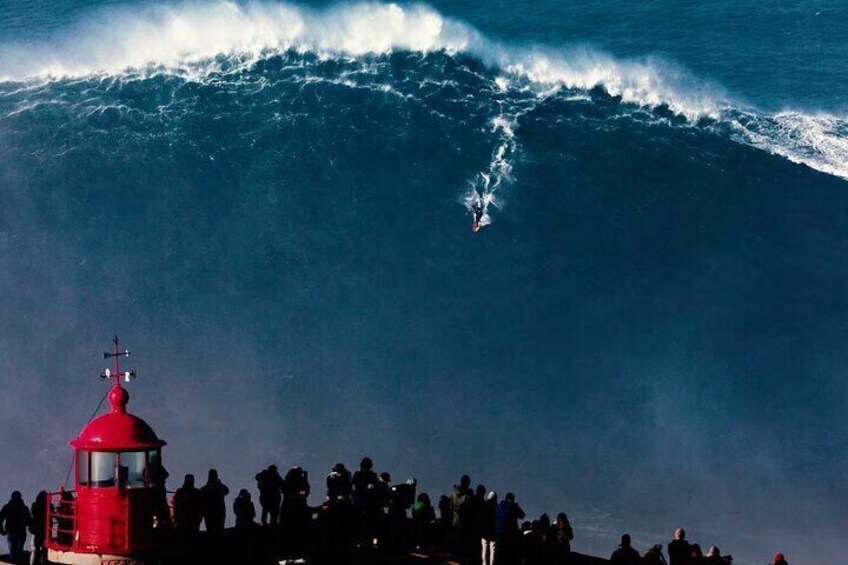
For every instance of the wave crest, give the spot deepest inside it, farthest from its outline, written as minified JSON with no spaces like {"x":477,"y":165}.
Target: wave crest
{"x":187,"y":36}
{"x":119,"y":40}
{"x":197,"y":39}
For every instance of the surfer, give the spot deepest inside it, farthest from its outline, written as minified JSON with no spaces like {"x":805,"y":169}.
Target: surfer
{"x":477,"y":214}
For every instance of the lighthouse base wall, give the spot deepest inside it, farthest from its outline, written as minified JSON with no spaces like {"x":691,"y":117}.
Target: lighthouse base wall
{"x":73,"y":558}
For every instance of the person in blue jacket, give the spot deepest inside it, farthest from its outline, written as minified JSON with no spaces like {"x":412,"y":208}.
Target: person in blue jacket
{"x":507,"y":515}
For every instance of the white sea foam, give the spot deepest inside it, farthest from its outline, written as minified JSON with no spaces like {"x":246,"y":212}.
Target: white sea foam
{"x":192,"y":39}
{"x":483,"y":189}
{"x":819,"y":140}
{"x":175,"y":36}
{"x":189,"y":36}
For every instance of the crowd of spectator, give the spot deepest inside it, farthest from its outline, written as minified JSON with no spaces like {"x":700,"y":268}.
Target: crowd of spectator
{"x":366,"y":510}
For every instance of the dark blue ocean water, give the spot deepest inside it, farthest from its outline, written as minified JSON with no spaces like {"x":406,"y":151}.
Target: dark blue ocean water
{"x":270,"y":201}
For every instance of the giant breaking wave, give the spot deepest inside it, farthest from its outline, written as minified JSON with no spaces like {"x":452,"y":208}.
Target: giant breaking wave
{"x":222,"y":41}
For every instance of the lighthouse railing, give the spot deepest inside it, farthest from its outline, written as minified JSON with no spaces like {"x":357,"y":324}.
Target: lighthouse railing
{"x":63,"y":527}
{"x":62,"y":520}
{"x":74,"y":525}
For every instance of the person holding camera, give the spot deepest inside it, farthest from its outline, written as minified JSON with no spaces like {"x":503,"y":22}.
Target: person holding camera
{"x":270,"y":485}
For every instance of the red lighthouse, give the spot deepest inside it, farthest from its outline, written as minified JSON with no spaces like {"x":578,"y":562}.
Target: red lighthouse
{"x":119,"y":495}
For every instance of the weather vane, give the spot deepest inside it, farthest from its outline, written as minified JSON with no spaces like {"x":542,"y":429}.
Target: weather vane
{"x":117,"y":374}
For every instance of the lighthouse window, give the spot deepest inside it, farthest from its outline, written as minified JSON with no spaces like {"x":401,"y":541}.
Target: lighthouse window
{"x":102,"y":469}
{"x":132,"y":465}
{"x":82,"y":468}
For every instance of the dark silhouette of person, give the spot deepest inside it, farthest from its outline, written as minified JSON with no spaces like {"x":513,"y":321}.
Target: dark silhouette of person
{"x":401,"y":499}
{"x":779,"y":559}
{"x":214,"y":507}
{"x":339,"y":483}
{"x":188,"y":507}
{"x":296,"y":484}
{"x":383,"y":491}
{"x":696,"y":556}
{"x":295,"y":514}
{"x":558,"y":540}
{"x":654,"y":556}
{"x":533,"y":541}
{"x":157,"y":476}
{"x":15,"y":519}
{"x":380,"y":498}
{"x":336,"y":517}
{"x":459,"y":498}
{"x":423,"y":521}
{"x":525,"y":529}
{"x":714,"y":557}
{"x":471,"y":519}
{"x":679,"y":550}
{"x":364,"y":484}
{"x":487,"y":529}
{"x":363,"y":479}
{"x":335,"y":527}
{"x":625,"y":554}
{"x":244,"y":510}
{"x":270,"y":485}
{"x":445,"y":521}
{"x":460,"y":495}
{"x":507,"y":515}
{"x":38,"y":528}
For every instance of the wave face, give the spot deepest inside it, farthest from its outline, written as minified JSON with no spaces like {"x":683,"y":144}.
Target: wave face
{"x":270,"y":185}
{"x":225,"y":39}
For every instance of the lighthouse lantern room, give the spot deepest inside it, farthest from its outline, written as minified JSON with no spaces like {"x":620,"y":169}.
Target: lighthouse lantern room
{"x":119,"y":497}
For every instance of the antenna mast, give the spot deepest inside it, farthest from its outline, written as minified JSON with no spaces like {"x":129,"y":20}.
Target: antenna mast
{"x":117,"y":375}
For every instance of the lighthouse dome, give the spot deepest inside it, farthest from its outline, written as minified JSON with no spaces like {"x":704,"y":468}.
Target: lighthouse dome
{"x":117,"y":430}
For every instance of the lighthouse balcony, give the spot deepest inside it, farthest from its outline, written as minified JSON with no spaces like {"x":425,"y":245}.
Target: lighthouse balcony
{"x":111,"y":529}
